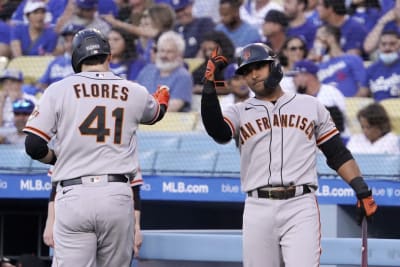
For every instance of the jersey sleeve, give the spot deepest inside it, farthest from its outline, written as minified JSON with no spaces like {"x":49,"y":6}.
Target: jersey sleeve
{"x":231,"y":117}
{"x":151,"y":108}
{"x":43,"y":119}
{"x":325,"y":128}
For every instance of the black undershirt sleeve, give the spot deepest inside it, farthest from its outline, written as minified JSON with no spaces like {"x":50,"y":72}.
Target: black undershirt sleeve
{"x":137,"y":203}
{"x":35,"y":146}
{"x":335,"y":152}
{"x":163,"y":110}
{"x":211,"y":115}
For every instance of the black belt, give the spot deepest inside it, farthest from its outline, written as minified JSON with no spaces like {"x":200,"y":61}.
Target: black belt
{"x":279,"y":192}
{"x":110,"y":178}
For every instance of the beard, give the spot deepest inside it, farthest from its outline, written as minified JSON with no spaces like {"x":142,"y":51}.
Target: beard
{"x":167,"y":66}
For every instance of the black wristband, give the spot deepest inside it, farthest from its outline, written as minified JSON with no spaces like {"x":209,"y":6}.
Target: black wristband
{"x":53,"y":192}
{"x":360,"y":187}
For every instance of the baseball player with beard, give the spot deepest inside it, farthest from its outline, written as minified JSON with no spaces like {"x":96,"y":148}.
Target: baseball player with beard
{"x":93,"y":116}
{"x":279,"y":134}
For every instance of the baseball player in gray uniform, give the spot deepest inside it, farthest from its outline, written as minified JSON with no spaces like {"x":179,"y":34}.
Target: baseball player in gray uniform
{"x":278,"y":135}
{"x":93,"y":116}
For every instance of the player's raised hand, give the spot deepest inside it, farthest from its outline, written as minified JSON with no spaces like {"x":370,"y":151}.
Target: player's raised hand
{"x":162,"y":95}
{"x":215,"y":65}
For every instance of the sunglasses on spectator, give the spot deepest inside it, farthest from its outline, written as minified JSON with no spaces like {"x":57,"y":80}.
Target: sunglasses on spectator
{"x":294,"y":48}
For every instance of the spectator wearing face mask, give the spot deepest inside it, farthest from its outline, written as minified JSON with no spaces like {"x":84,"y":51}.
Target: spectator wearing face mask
{"x":383,"y":75}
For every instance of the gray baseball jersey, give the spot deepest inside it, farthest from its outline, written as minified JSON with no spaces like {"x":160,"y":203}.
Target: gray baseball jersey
{"x":100,"y":127}
{"x":278,"y":142}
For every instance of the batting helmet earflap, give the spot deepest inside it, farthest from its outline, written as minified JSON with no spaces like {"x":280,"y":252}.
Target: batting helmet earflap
{"x":259,"y":52}
{"x":88,"y":43}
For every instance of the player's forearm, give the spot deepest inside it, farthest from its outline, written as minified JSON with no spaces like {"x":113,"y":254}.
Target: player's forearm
{"x":211,"y":115}
{"x":349,"y":170}
{"x":137,"y":219}
{"x":37,"y":149}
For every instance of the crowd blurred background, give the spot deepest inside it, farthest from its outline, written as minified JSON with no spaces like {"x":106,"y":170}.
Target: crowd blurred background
{"x":344,"y":52}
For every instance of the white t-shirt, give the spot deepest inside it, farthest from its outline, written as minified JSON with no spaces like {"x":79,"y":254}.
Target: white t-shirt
{"x":387,"y":144}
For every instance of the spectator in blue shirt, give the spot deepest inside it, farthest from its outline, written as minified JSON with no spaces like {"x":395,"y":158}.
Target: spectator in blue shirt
{"x":169,"y":70}
{"x":192,"y":29}
{"x":299,"y":24}
{"x":54,"y":9}
{"x":124,"y":62}
{"x":5,"y":31}
{"x":60,"y":67}
{"x":345,"y":71}
{"x":274,"y":30}
{"x":389,"y":21}
{"x":36,"y":37}
{"x":333,"y":12}
{"x":366,"y":11}
{"x":383,"y":75}
{"x":240,"y":32}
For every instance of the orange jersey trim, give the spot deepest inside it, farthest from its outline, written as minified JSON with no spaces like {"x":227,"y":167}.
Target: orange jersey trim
{"x":37,"y":132}
{"x":230,"y":125}
{"x":136,"y":182}
{"x":327,"y":136}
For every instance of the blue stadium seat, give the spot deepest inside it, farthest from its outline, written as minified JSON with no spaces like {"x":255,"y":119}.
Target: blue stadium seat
{"x":228,"y":164}
{"x":322,"y":168}
{"x":147,"y":159}
{"x":158,"y":143}
{"x":379,"y":165}
{"x":13,"y":158}
{"x":203,"y":142}
{"x":183,"y":163}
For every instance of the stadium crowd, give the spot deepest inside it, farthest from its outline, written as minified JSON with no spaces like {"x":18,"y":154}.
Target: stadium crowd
{"x":333,"y":49}
{"x":353,"y":46}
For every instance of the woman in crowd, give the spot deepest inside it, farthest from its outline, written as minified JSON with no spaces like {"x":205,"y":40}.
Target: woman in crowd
{"x":377,"y":135}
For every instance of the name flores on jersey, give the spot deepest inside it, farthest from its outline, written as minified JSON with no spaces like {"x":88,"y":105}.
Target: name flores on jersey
{"x":103,"y":90}
{"x":262,"y":124}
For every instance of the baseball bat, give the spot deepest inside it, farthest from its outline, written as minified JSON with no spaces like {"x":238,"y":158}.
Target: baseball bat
{"x":364,"y":247}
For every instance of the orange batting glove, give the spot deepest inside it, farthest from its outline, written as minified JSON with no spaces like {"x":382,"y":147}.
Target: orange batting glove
{"x":162,"y":95}
{"x":215,"y":65}
{"x":366,"y":207}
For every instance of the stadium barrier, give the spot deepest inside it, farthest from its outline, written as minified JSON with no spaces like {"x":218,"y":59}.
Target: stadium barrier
{"x":226,"y":246}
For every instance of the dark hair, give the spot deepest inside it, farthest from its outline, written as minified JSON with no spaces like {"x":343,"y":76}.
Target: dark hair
{"x":390,"y":32}
{"x":282,"y":58}
{"x":338,"y":6}
{"x":228,"y":49}
{"x":376,"y":115}
{"x":95,"y":60}
{"x":233,"y":3}
{"x":130,"y":48}
{"x":334,"y":31}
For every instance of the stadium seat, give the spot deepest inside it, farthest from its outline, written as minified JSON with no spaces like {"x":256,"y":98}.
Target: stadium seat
{"x":13,"y":158}
{"x":322,"y":167}
{"x":200,"y":141}
{"x":147,"y":159}
{"x":174,"y":121}
{"x":3,"y":63}
{"x":184,"y":163}
{"x":379,"y":165}
{"x":353,"y":105}
{"x":193,"y":63}
{"x":392,"y":106}
{"x":158,"y":142}
{"x":32,"y":67}
{"x":228,"y":164}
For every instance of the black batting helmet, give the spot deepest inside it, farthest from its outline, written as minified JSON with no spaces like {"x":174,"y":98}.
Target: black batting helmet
{"x":259,"y":52}
{"x":88,"y":43}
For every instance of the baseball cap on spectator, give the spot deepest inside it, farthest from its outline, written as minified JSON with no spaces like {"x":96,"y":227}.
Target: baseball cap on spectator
{"x":11,"y":74}
{"x":71,"y":29}
{"x":87,"y":4}
{"x":229,"y":72}
{"x":31,"y":6}
{"x":23,"y":106}
{"x":278,"y":17}
{"x":306,"y":66}
{"x":180,"y":4}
